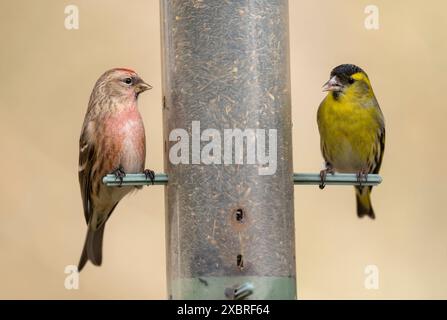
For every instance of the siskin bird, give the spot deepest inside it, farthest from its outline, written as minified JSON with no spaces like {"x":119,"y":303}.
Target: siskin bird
{"x":352,"y":130}
{"x":112,"y":141}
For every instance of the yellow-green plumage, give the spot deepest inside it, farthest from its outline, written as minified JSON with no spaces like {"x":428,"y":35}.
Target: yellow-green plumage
{"x":352,"y":129}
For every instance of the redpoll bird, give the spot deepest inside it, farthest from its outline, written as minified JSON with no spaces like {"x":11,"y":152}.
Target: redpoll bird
{"x":112,"y":141}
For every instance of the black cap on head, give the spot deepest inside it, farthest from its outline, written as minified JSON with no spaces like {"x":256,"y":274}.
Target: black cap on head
{"x":346,"y":70}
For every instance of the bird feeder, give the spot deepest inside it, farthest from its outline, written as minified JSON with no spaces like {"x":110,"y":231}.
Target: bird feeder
{"x":226,"y":65}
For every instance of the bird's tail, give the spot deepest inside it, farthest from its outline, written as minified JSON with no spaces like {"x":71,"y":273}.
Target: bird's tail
{"x":92,"y":247}
{"x":364,"y":207}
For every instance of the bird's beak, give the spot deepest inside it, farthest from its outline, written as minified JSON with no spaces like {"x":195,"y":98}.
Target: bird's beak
{"x":142,"y":86}
{"x":333,"y":84}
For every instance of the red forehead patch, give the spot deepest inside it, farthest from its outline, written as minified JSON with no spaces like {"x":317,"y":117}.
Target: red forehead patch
{"x":125,"y":69}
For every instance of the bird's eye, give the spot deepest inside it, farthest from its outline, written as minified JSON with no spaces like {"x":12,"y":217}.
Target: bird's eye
{"x":351,"y":81}
{"x":128,"y":81}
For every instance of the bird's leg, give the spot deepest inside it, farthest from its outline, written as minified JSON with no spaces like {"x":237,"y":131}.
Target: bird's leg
{"x":149,"y":175}
{"x":362,"y":176}
{"x":119,"y":174}
{"x":323,"y":174}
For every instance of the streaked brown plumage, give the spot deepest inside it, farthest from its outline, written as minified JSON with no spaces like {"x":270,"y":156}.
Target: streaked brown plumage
{"x":112,"y":141}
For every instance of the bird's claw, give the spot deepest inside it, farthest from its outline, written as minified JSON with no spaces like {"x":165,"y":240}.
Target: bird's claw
{"x":362,"y":176}
{"x":149,"y":175}
{"x":322,"y":179}
{"x":119,"y":175}
{"x":323,"y":174}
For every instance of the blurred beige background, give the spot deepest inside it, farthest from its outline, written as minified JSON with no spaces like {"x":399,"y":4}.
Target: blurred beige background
{"x":47,"y":73}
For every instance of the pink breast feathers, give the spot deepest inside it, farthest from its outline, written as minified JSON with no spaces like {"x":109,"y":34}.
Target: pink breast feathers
{"x":126,"y":138}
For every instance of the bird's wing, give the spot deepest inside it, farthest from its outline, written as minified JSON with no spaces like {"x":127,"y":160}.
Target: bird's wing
{"x":323,"y":147}
{"x":380,"y":151}
{"x":86,"y":154}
